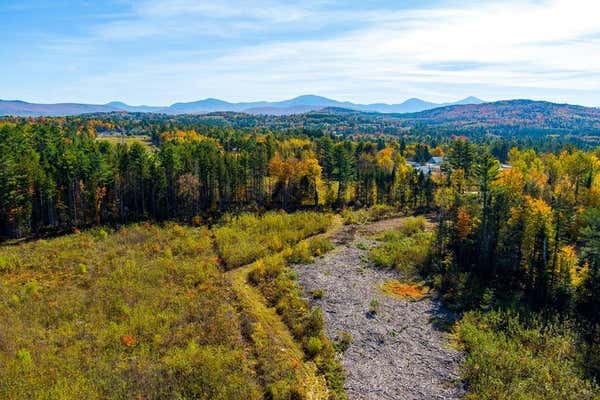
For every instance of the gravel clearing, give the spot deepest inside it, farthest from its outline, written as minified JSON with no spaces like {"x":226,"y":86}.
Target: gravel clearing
{"x":396,"y":353}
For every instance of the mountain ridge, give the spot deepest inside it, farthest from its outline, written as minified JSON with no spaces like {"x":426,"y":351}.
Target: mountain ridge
{"x":517,"y":113}
{"x":299,"y":104}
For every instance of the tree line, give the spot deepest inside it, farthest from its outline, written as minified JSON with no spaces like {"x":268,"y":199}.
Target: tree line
{"x":525,"y":238}
{"x":55,"y":176}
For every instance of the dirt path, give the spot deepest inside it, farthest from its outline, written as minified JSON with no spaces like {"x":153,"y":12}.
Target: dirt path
{"x":397,"y":354}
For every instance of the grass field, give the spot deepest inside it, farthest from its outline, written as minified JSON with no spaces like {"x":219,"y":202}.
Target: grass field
{"x":146,"y":312}
{"x":144,"y":140}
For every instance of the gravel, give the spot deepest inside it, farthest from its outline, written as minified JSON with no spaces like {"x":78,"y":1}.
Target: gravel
{"x":396,"y":353}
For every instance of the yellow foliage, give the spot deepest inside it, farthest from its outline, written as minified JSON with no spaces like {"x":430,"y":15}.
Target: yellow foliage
{"x":464,"y":224}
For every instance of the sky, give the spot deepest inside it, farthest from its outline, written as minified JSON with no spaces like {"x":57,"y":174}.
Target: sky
{"x":158,"y":52}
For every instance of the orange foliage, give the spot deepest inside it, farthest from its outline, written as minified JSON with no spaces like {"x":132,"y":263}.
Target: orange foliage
{"x":410,"y":291}
{"x":464,"y":224}
{"x":128,"y":340}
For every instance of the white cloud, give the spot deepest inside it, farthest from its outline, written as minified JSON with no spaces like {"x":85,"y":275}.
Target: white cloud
{"x":497,"y":49}
{"x":537,"y":45}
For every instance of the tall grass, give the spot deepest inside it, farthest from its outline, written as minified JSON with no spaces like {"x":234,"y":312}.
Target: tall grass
{"x":508,"y":359}
{"x":274,"y":279}
{"x":248,"y":237}
{"x":143,"y":312}
{"x":406,"y":248}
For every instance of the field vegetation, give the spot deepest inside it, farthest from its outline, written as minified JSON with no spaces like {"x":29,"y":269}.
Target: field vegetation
{"x":144,"y":140}
{"x":509,"y":358}
{"x":146,"y":311}
{"x":247,"y":237}
{"x":407,"y":249}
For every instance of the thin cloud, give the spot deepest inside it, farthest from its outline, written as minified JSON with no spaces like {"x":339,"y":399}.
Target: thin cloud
{"x":170,"y":50}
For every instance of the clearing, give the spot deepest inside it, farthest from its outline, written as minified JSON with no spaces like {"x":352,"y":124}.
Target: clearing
{"x":395,"y":353}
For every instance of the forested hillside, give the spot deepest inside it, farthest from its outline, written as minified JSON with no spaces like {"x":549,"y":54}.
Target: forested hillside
{"x":522,"y":114}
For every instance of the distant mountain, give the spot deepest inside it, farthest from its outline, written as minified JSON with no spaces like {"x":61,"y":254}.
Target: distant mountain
{"x":296,"y":105}
{"x":291,"y":110}
{"x":467,"y":113}
{"x":511,"y":113}
{"x":24,"y":109}
{"x":306,"y":103}
{"x":126,"y":107}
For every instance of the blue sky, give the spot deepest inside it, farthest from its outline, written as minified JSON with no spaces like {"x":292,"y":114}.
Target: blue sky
{"x":161,"y":51}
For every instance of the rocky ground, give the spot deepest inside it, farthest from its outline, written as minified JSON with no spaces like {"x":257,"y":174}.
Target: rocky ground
{"x":396,"y":353}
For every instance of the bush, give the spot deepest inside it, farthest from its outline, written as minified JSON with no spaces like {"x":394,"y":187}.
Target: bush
{"x":406,"y":249}
{"x":363,"y":216}
{"x":313,"y":346}
{"x":507,"y":358}
{"x":381,"y":211}
{"x":304,"y":251}
{"x":355,"y":217}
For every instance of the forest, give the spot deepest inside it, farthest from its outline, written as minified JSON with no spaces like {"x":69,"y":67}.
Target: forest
{"x":513,"y":250}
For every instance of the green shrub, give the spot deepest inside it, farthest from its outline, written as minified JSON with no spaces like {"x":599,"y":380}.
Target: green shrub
{"x":313,"y":346}
{"x":7,"y":263}
{"x":508,"y":359}
{"x":81,"y":268}
{"x":300,"y":254}
{"x":246,"y":238}
{"x":319,"y":246}
{"x":101,"y":234}
{"x":303,"y":252}
{"x":381,"y":211}
{"x":413,"y":225}
{"x":362,"y":246}
{"x":355,"y":217}
{"x":406,"y":249}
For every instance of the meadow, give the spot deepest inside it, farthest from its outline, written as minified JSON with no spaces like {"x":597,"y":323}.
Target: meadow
{"x":144,"y":140}
{"x":147,"y":312}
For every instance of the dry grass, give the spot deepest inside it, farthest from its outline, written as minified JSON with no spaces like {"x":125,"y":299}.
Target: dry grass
{"x":144,"y":140}
{"x":404,"y":290}
{"x":146,"y":312}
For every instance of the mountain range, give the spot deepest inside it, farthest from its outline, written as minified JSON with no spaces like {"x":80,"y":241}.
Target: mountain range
{"x":296,"y":105}
{"x":517,"y":114}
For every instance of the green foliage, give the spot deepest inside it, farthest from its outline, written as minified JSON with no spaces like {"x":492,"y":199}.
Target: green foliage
{"x":381,"y":211}
{"x":248,"y":237}
{"x":362,"y":216}
{"x":509,"y":359}
{"x":344,"y":341}
{"x":313,"y":346}
{"x":406,"y":249}
{"x":355,"y":217}
{"x":304,"y":251}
